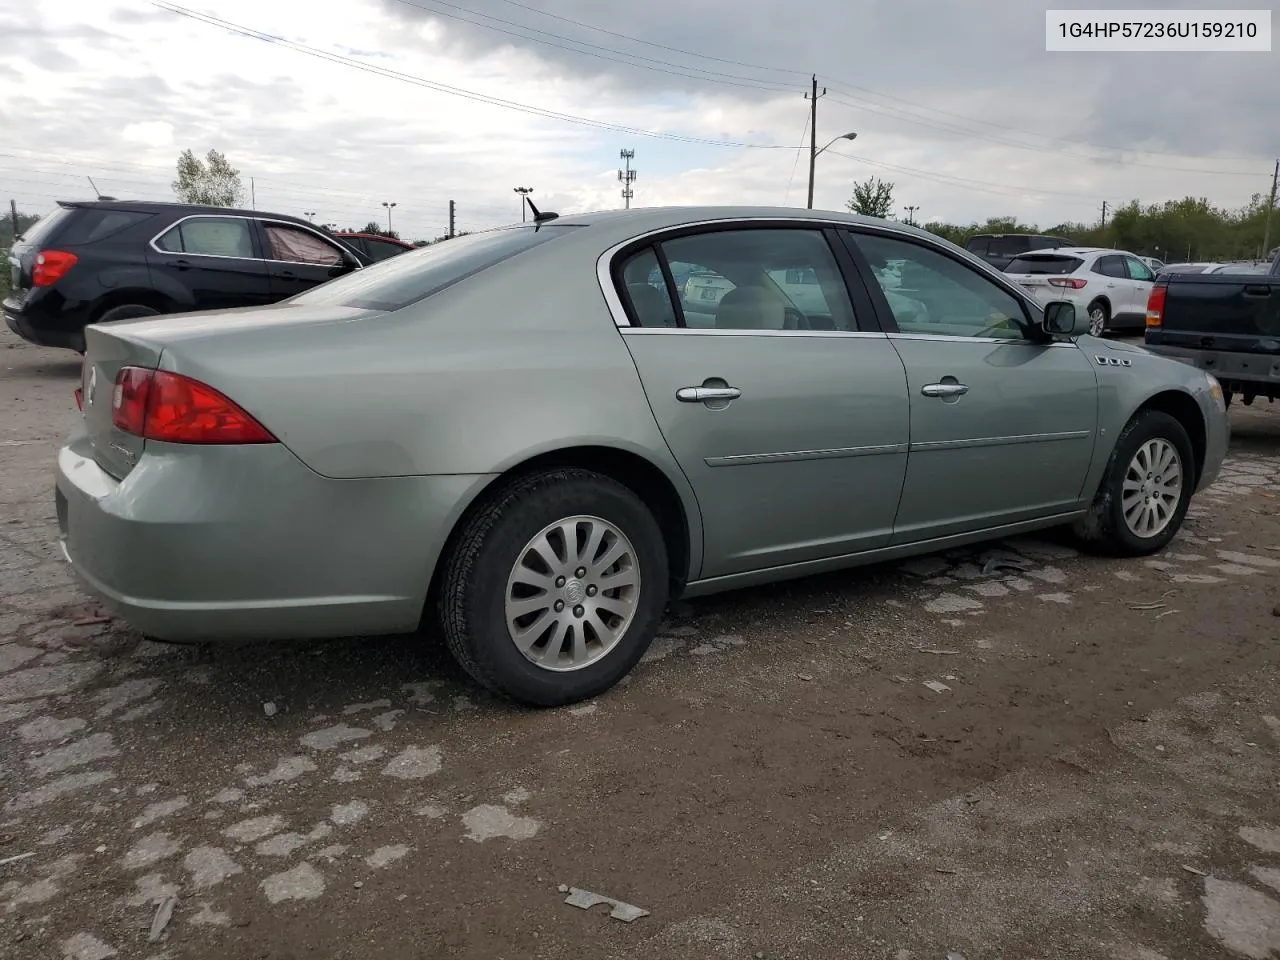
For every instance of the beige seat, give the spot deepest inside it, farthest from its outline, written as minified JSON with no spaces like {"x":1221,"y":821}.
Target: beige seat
{"x":751,"y":308}
{"x":652,"y":308}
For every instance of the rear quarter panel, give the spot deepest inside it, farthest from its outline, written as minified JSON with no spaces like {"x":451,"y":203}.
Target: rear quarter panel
{"x":520,"y":360}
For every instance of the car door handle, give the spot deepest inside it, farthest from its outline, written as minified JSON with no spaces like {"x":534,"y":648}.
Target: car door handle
{"x":286,"y":275}
{"x":944,"y":389}
{"x":703,"y":394}
{"x":180,"y":264}
{"x":1257,"y":291}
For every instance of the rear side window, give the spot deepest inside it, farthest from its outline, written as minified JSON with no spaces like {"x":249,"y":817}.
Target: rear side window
{"x":90,"y":225}
{"x":1059,"y":265}
{"x":977,"y":245}
{"x":381,"y":250}
{"x":400,"y":281}
{"x":210,"y":237}
{"x":1111,"y":267}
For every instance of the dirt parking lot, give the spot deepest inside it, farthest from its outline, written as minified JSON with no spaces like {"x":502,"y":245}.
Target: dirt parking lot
{"x":1013,"y":751}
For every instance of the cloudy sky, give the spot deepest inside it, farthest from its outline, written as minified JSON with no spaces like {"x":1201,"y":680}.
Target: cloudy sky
{"x":334,"y":108}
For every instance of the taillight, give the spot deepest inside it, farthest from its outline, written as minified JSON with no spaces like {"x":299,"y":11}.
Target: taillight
{"x":1155,"y":306}
{"x":159,"y":405}
{"x":1074,"y":283}
{"x":51,"y":266}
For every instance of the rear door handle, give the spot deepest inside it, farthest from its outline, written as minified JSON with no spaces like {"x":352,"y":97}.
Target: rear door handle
{"x":287,"y":275}
{"x":703,"y":394}
{"x":944,"y":389}
{"x":1257,"y":291}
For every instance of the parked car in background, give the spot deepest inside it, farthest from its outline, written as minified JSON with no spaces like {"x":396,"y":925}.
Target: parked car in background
{"x":1199,"y":267}
{"x":999,"y":248}
{"x":374,"y":246}
{"x":1152,"y":263}
{"x":1111,"y":286}
{"x":105,"y":260}
{"x":1226,"y":322}
{"x":1237,"y":268}
{"x":609,"y":456}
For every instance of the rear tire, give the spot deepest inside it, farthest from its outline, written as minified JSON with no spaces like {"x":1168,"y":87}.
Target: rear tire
{"x":1146,"y":490}
{"x":1099,"y":318}
{"x":127,"y":311}
{"x":600,"y":631}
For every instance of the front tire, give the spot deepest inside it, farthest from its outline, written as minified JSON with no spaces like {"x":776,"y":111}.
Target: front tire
{"x":1146,"y":490}
{"x":555,"y":587}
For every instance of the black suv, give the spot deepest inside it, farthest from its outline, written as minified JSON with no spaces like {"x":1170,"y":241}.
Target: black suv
{"x":104,"y":260}
{"x":999,"y":249}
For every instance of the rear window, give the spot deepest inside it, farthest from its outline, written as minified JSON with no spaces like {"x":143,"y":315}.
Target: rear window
{"x":399,"y":281}
{"x":1044,"y":263}
{"x":977,"y":245}
{"x":90,"y":225}
{"x":43,"y":228}
{"x":1008,"y":246}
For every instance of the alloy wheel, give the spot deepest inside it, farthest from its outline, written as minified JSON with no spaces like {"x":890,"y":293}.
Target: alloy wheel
{"x":1151,"y":488}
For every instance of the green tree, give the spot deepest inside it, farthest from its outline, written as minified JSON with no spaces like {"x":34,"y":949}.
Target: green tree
{"x":212,"y":182}
{"x":373,"y":227}
{"x":871,"y":198}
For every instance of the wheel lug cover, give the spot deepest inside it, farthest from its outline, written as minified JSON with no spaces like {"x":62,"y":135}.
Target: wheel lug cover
{"x":578,"y":611}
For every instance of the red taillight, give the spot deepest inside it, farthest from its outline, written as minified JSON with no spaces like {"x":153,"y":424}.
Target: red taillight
{"x":1155,"y":307}
{"x":51,"y":266}
{"x":159,"y":405}
{"x":1073,"y":283}
{"x":79,"y":399}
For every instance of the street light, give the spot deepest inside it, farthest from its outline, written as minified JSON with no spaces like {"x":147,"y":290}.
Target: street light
{"x":524,"y":192}
{"x":388,"y":206}
{"x":814,"y":156}
{"x":308,"y":214}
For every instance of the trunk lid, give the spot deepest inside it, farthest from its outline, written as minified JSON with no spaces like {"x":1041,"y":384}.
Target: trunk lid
{"x":106,"y":351}
{"x":22,"y":255}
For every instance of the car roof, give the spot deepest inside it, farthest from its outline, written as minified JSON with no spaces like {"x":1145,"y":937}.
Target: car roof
{"x":186,"y":209}
{"x":369,"y":236}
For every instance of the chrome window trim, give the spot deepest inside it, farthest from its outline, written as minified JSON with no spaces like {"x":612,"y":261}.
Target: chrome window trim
{"x":714,"y":332}
{"x":604,"y":267}
{"x":238,"y":216}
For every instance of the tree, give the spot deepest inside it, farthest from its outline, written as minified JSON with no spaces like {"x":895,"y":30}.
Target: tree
{"x":211,"y":183}
{"x":874,"y":198}
{"x":373,"y":227}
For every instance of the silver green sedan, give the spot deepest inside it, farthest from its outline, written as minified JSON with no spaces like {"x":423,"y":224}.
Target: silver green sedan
{"x":527,"y":441}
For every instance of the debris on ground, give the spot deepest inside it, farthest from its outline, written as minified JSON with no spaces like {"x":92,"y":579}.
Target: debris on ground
{"x":269,"y":709}
{"x":15,"y":859}
{"x":939,"y":653}
{"x":164,"y":913}
{"x":936,"y":686}
{"x":1193,"y":870}
{"x":90,"y":621}
{"x":805,"y":677}
{"x":585,"y":900}
{"x":1167,"y":613}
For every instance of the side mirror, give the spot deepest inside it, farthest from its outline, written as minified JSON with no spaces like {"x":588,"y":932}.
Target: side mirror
{"x":1060,"y":319}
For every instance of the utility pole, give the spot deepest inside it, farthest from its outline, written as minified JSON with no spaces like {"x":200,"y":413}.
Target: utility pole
{"x":253,"y":195}
{"x":13,"y":212}
{"x":524,"y":192}
{"x":812,"y":97}
{"x":627,"y":177}
{"x":388,"y":205}
{"x":911,"y":215}
{"x":1271,"y":205}
{"x":451,"y":219}
{"x":1104,"y":214}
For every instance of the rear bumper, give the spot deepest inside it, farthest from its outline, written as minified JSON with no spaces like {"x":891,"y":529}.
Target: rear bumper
{"x":1229,"y":368}
{"x":247,"y":543}
{"x":28,"y":328}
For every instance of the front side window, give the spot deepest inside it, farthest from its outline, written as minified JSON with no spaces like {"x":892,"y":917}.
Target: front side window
{"x":381,"y":250}
{"x":940,"y":296}
{"x":1138,"y":270}
{"x":759,"y":279}
{"x":295,"y":245}
{"x":210,"y":237}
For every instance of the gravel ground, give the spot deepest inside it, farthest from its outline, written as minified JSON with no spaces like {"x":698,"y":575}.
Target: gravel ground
{"x":1008,"y":751}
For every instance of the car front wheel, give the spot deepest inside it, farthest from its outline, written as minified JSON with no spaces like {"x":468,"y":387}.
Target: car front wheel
{"x":1098,"y":319}
{"x":555,"y":587}
{"x":1147,"y":488}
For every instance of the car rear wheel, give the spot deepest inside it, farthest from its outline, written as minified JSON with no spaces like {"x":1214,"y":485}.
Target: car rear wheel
{"x":1098,"y":318}
{"x":555,"y":587}
{"x":127,"y":311}
{"x":1147,"y":488}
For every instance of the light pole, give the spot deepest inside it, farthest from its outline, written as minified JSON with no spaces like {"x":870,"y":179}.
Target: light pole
{"x":818,"y":153}
{"x":524,"y":192}
{"x":911,"y":215}
{"x":388,"y":206}
{"x":308,"y":214}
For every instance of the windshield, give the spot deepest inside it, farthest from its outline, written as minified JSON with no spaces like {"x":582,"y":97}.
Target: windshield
{"x":413,"y":275}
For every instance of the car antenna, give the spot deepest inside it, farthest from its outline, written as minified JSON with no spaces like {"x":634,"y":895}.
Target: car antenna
{"x":96,"y":192}
{"x":538,"y":215}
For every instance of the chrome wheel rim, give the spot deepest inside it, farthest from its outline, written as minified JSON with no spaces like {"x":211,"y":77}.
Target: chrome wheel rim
{"x":1152,"y":488}
{"x":1097,"y":321}
{"x":572,"y":593}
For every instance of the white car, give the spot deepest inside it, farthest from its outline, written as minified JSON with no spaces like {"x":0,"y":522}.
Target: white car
{"x":1153,"y":263}
{"x":1111,"y":286}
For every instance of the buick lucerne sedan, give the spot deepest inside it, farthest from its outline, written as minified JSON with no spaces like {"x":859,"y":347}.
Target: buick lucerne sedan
{"x":527,"y":441}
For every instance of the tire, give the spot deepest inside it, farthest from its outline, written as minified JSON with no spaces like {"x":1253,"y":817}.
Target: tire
{"x":1105,"y":528}
{"x":481,"y":573}
{"x":127,"y":311}
{"x":1099,"y":318}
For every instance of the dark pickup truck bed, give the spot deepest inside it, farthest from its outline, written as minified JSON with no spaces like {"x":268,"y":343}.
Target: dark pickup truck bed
{"x":1225,"y":324}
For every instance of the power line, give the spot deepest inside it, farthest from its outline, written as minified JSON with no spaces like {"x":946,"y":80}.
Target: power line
{"x":794,"y":166}
{"x":451,"y":90}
